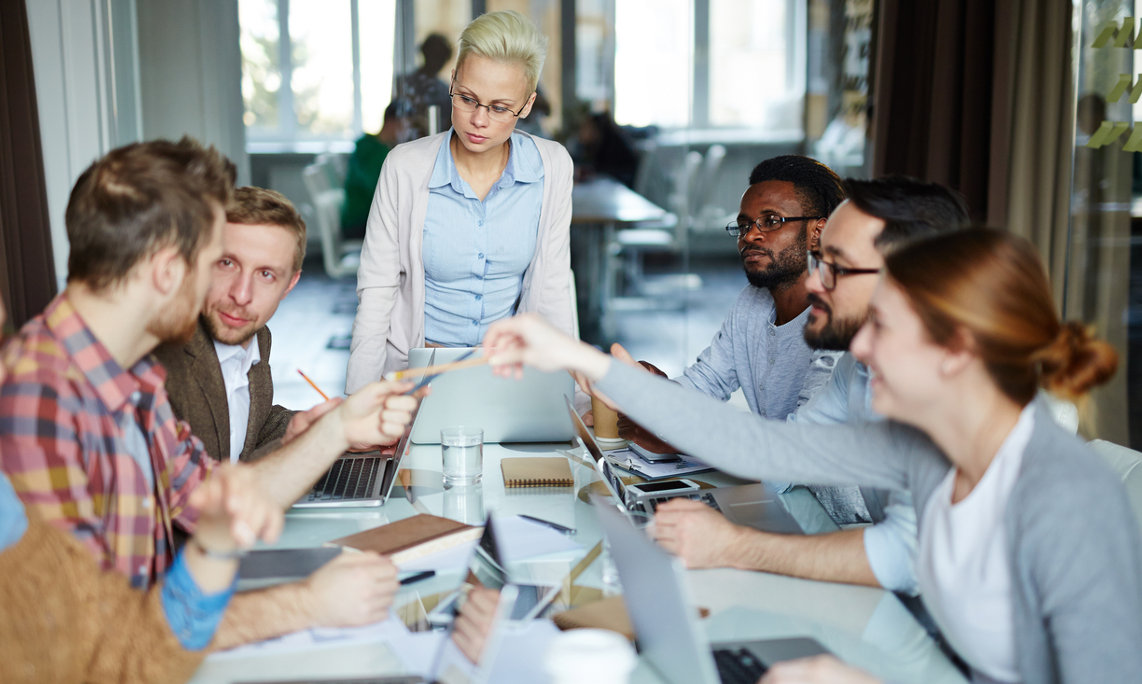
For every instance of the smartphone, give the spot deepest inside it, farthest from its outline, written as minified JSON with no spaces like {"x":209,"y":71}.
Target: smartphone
{"x":646,"y":496}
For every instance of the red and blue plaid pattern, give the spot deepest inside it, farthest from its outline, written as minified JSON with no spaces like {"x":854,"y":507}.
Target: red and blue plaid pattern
{"x":63,"y":446}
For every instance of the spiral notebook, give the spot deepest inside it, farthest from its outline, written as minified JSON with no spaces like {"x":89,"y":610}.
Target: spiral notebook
{"x":536,"y":471}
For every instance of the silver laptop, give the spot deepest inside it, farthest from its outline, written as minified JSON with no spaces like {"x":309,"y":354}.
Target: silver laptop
{"x":664,"y":618}
{"x":529,"y":409}
{"x":364,"y":479}
{"x":753,"y":505}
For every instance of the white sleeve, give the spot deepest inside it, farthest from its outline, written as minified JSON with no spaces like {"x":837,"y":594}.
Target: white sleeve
{"x":891,"y":545}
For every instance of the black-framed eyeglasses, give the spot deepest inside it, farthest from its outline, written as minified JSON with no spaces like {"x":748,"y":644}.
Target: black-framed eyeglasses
{"x":766,"y":223}
{"x":828,"y":273}
{"x":469,"y":104}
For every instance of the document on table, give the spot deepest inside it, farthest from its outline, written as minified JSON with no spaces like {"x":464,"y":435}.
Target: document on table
{"x":521,"y":539}
{"x":391,"y":632}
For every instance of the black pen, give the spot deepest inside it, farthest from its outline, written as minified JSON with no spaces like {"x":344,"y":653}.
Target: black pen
{"x":416,"y":577}
{"x":552,"y":525}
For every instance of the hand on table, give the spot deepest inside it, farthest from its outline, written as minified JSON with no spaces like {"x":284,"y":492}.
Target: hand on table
{"x":822,"y":669}
{"x":474,"y":622}
{"x":352,"y":589}
{"x":696,"y":533}
{"x":233,"y":511}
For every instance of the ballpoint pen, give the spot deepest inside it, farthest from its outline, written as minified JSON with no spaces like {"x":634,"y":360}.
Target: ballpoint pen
{"x":416,"y":577}
{"x":552,"y":525}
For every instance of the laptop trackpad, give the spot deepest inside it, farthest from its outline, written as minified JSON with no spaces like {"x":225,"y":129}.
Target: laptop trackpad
{"x":768,"y":515}
{"x":771,"y":651}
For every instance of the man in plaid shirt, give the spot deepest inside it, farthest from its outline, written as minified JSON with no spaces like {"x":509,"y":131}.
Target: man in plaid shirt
{"x":87,"y":435}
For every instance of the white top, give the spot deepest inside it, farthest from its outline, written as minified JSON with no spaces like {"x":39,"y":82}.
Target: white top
{"x":236,"y":362}
{"x":963,"y":564}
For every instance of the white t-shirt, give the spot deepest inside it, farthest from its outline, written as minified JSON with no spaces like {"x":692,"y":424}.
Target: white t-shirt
{"x":236,"y":363}
{"x":963,"y":564}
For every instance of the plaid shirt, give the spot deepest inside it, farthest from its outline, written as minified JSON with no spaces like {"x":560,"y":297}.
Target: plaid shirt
{"x":62,"y":444}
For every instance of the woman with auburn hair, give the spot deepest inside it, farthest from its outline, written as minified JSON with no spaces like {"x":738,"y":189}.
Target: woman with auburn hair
{"x":1029,"y":557}
{"x":471,"y":225}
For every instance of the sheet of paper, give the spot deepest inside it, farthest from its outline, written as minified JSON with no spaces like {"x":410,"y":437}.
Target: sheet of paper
{"x":521,"y":539}
{"x":454,"y":559}
{"x":391,"y":632}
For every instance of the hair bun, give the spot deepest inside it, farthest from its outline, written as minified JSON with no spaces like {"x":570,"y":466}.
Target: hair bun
{"x":1075,"y":361}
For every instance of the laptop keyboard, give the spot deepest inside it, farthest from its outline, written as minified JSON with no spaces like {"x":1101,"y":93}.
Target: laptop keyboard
{"x":348,"y":478}
{"x":738,"y":665}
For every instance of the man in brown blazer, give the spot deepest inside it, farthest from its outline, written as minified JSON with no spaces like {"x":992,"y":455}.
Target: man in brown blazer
{"x":220,"y":382}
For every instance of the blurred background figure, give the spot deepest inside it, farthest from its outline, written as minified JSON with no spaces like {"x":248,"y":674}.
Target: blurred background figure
{"x":364,"y":165}
{"x":423,"y":87}
{"x":599,"y":146}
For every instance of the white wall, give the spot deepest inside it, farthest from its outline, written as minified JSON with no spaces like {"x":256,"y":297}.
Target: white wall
{"x":190,"y":74}
{"x":83,"y":57}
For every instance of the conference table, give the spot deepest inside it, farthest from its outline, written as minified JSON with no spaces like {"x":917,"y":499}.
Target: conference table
{"x":599,"y":207}
{"x":867,"y":627}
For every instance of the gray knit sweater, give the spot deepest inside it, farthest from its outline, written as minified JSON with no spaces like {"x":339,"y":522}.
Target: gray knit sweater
{"x":1076,"y":551}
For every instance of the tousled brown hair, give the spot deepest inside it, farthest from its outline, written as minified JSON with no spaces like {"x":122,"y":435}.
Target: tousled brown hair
{"x":139,"y":198}
{"x":253,"y":206}
{"x":992,"y":285}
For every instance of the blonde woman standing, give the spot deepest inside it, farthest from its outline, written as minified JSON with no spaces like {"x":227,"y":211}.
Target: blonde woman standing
{"x":470,"y":225}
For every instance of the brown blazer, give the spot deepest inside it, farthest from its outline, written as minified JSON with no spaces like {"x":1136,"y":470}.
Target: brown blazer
{"x":198,"y":396}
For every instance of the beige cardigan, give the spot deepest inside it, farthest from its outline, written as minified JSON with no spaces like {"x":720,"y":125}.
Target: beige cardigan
{"x":390,"y":280}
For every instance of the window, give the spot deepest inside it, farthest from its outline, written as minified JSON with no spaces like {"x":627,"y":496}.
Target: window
{"x":315,"y":70}
{"x":710,"y":63}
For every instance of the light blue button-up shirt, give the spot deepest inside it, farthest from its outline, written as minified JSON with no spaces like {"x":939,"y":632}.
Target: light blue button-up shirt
{"x":476,"y":252}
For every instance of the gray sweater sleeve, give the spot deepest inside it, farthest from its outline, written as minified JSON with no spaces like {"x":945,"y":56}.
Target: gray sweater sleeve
{"x":873,"y":454}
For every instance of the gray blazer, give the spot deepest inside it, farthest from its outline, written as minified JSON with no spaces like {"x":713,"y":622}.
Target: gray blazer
{"x":1075,"y":549}
{"x":198,"y":396}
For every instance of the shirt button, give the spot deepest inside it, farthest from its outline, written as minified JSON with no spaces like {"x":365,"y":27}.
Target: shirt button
{"x":480,"y":222}
{"x":475,"y":322}
{"x":772,"y":332}
{"x":479,"y":297}
{"x":480,"y":255}
{"x":147,"y":504}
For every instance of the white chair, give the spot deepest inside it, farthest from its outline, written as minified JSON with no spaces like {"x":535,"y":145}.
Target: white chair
{"x":340,"y":257}
{"x":1127,"y":464}
{"x":669,"y":235}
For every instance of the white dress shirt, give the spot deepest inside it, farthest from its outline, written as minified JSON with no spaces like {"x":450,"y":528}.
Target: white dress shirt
{"x":236,"y":363}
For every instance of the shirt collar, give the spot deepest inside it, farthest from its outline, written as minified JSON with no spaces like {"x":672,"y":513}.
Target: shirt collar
{"x":524,"y":164}
{"x":246,"y":357}
{"x":113,"y":385}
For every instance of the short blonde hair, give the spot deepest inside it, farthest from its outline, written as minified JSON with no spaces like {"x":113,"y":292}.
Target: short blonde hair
{"x":505,"y":36}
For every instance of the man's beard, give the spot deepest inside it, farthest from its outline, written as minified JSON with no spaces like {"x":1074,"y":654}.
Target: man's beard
{"x":176,"y":324}
{"x":784,"y":268}
{"x":837,"y":333}
{"x":227,"y":335}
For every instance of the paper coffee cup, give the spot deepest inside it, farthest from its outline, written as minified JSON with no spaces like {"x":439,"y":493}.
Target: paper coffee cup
{"x":606,"y":420}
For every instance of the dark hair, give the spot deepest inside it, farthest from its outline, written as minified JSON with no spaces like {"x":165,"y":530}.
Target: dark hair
{"x":819,"y":189}
{"x":992,"y":285}
{"x":399,"y":107}
{"x":258,"y":206}
{"x":436,"y":50}
{"x":139,"y":198}
{"x":910,"y":208}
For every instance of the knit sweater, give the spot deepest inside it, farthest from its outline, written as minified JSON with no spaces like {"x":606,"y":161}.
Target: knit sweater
{"x":1074,"y":549}
{"x":64,"y":620}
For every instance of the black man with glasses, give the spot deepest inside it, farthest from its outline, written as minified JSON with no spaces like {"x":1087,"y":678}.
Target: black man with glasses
{"x":470,"y":225}
{"x":760,"y":347}
{"x":878,"y":216}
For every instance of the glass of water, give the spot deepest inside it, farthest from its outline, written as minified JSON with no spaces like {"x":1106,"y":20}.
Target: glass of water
{"x":463,"y":450}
